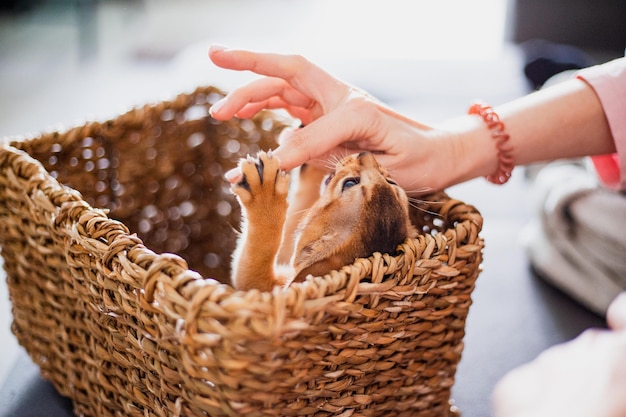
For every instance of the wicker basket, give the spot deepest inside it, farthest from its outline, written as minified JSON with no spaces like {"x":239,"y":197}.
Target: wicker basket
{"x":124,"y":331}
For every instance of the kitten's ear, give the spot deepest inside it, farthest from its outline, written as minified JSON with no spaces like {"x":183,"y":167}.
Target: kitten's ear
{"x":324,"y":254}
{"x":321,"y":268}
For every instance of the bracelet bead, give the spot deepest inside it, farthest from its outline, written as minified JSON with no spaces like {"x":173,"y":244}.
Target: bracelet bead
{"x":501,"y":138}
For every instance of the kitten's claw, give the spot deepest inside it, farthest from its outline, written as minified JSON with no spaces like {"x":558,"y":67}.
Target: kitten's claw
{"x":234,"y":175}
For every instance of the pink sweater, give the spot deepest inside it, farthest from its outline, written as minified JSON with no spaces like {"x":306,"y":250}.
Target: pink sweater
{"x":609,"y":82}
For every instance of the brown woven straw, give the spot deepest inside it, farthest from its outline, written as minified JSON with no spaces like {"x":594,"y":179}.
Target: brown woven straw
{"x":125,"y":331}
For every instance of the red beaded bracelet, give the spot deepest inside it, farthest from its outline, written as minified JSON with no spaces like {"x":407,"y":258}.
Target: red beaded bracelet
{"x":505,"y":159}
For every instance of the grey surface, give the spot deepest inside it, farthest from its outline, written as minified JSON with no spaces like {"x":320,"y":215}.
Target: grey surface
{"x":26,"y":394}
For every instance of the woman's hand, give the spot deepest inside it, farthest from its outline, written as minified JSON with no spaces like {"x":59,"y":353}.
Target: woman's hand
{"x":339,"y":119}
{"x":564,"y":121}
{"x":584,"y":377}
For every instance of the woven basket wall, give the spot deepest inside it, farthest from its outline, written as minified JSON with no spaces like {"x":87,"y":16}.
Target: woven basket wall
{"x":126,"y":331}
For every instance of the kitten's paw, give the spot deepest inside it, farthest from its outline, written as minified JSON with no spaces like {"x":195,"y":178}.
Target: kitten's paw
{"x":262,"y":181}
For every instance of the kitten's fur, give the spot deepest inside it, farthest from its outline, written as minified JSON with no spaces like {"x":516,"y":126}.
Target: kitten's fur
{"x":359,"y":211}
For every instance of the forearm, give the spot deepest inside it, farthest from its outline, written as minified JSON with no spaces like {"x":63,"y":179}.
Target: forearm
{"x":564,"y":121}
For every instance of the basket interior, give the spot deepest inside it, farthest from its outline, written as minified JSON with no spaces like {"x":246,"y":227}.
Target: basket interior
{"x":159,"y":170}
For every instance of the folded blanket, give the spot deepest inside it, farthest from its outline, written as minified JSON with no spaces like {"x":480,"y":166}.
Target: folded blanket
{"x":578,"y":240}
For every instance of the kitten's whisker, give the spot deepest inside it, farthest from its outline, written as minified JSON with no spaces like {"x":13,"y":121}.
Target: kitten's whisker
{"x":335,"y":159}
{"x":408,"y":187}
{"x":415,"y":203}
{"x":421,"y":201}
{"x":331,"y":162}
{"x":420,"y":190}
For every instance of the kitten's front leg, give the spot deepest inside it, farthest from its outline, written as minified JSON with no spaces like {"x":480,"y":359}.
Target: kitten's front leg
{"x":262,"y":194}
{"x":306,"y":194}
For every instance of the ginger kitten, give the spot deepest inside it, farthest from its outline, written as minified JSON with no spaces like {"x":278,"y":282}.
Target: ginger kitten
{"x":358,"y":210}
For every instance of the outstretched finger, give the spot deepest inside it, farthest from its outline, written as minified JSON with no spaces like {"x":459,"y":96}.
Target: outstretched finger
{"x":269,"y":64}
{"x":300,"y":73}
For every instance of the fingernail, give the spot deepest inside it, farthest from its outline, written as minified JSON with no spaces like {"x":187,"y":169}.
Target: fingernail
{"x":217,"y":106}
{"x":217,"y":48}
{"x":233,"y":176}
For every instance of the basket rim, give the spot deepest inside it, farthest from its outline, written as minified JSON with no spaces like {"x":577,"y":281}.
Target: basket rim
{"x":111,"y":126}
{"x":117,"y":246}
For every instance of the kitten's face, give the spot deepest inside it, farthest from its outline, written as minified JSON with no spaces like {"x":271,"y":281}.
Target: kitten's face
{"x":357,"y":178}
{"x":361,"y":211}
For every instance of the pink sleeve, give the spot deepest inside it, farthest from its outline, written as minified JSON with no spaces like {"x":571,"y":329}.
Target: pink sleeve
{"x":609,"y":82}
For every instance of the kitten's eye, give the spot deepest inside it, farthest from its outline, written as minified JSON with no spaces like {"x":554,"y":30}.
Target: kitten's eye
{"x":349,"y":182}
{"x":328,"y":178}
{"x":392,"y":182}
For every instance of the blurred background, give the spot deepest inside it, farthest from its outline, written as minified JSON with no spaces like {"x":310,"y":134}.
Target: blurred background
{"x":64,"y":62}
{"x":94,"y":58}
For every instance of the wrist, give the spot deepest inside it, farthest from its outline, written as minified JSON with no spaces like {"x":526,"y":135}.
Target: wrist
{"x":501,"y":141}
{"x":471,"y":150}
